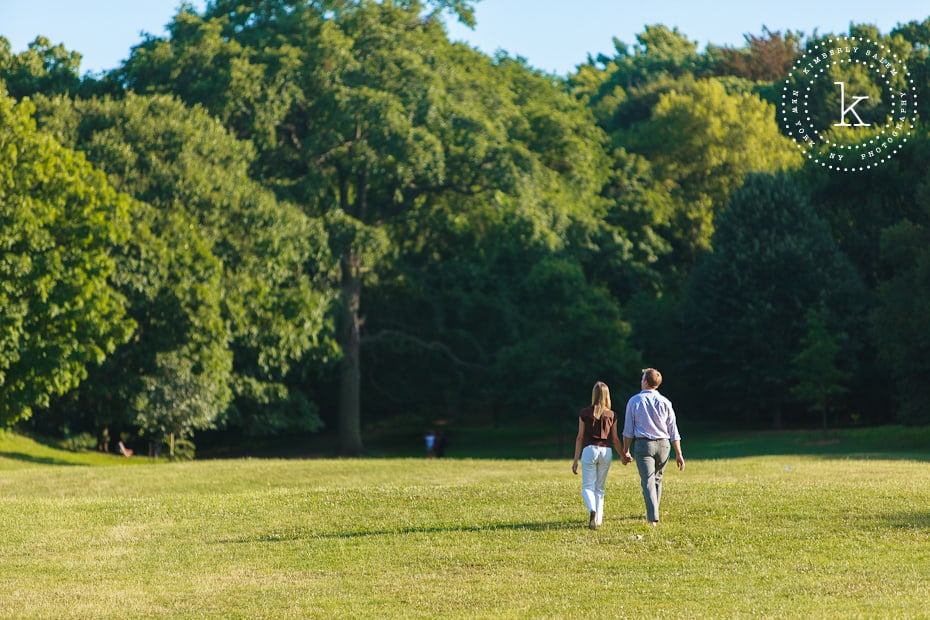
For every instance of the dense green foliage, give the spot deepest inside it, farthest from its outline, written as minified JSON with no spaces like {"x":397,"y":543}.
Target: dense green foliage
{"x":235,"y":301}
{"x":42,"y":68}
{"x":386,"y":127}
{"x":900,"y":318}
{"x":288,"y":214}
{"x":748,"y":300}
{"x":59,"y":220}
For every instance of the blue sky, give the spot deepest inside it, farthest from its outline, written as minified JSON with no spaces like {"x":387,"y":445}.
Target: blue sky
{"x":553,"y":35}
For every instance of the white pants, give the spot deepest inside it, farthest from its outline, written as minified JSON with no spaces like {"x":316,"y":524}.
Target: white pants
{"x":595,"y":463}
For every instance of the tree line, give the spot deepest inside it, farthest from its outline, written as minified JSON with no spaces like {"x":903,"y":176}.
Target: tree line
{"x":289,"y":213}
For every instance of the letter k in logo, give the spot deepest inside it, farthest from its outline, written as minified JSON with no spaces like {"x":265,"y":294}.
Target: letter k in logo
{"x":850,"y":110}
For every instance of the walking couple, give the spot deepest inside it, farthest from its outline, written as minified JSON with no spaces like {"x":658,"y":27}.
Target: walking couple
{"x":649,"y":426}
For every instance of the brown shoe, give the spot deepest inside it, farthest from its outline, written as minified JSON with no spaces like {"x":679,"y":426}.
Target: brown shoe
{"x":592,"y":522}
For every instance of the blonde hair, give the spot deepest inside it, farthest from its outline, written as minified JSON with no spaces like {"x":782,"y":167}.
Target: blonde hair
{"x":600,"y":398}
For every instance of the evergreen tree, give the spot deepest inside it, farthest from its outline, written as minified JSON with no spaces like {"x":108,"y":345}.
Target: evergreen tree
{"x":902,"y":332}
{"x":819,"y":378}
{"x":744,"y":314}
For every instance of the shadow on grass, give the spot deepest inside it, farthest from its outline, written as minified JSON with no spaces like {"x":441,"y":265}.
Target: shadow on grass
{"x":542,"y":526}
{"x":575,"y":524}
{"x":910,"y":520}
{"x":38,"y":460}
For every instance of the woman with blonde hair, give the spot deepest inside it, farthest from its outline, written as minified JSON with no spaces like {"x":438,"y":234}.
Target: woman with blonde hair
{"x":597,"y":425}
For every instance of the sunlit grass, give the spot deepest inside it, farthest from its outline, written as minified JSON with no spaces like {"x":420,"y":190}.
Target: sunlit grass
{"x":18,"y":452}
{"x":773,"y":536}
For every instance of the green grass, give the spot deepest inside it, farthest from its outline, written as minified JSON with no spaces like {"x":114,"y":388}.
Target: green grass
{"x":772,"y":536}
{"x":18,"y":452}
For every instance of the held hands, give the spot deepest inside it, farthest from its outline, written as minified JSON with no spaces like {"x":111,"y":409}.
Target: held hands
{"x":626,"y":458}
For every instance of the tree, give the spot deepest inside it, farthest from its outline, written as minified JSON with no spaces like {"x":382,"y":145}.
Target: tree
{"x":499,"y":321}
{"x":917,"y":35}
{"x":554,"y":353}
{"x":820,"y":381}
{"x":773,"y":259}
{"x":763,"y":58}
{"x":59,"y":223}
{"x":176,"y":400}
{"x":860,"y":206}
{"x":364,"y":113}
{"x":622,"y":90}
{"x":632,"y":246}
{"x":699,"y":138}
{"x":901,"y":333}
{"x":657,"y":54}
{"x":223,"y":277}
{"x":682,"y":144}
{"x":861,"y":72}
{"x":42,"y":68}
{"x":346,"y":136}
{"x":480,"y":277}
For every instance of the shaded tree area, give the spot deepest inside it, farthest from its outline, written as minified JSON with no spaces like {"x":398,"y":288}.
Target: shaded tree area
{"x":900,"y":318}
{"x":746,"y":309}
{"x":287,"y":215}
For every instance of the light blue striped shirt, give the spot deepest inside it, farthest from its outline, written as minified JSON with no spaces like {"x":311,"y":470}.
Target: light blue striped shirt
{"x":650,"y":415}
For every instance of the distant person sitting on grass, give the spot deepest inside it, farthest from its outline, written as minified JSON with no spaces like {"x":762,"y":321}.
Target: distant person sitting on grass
{"x":597,"y":425}
{"x":124,"y":450}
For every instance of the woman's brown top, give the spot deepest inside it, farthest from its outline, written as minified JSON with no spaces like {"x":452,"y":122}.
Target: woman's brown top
{"x":597,"y":432}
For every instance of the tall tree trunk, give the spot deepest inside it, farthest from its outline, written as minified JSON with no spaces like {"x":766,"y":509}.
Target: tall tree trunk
{"x":350,"y":434}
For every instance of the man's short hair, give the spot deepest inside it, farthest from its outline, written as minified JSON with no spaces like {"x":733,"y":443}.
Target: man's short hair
{"x":652,"y":377}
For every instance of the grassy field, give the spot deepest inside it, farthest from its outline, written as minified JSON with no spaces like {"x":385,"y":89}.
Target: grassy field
{"x":816,"y":534}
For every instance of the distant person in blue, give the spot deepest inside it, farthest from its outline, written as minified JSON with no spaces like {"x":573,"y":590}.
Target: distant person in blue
{"x":597,"y":425}
{"x":430,"y":439}
{"x":650,"y":421}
